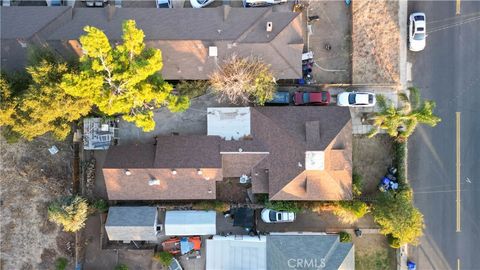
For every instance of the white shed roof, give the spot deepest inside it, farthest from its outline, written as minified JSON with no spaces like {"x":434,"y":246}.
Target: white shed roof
{"x":229,"y":123}
{"x":236,"y":253}
{"x":135,"y":223}
{"x":190,"y":223}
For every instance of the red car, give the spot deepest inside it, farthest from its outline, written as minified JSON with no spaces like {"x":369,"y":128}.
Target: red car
{"x":311,"y":98}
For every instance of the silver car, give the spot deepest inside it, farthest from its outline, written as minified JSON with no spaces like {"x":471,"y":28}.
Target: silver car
{"x":417,"y":33}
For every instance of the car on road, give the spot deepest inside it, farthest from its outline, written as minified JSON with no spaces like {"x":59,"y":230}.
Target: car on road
{"x":272,"y":216}
{"x":262,"y":3}
{"x":311,"y":98}
{"x":280,"y":98}
{"x":417,"y":33}
{"x":164,"y":3}
{"x":200,"y":3}
{"x":356,"y":99}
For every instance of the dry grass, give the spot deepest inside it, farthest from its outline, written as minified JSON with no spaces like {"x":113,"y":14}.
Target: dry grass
{"x":31,"y":177}
{"x":375,"y":42}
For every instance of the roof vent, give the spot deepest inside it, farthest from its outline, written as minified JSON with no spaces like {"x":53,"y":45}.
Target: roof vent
{"x":153,"y":182}
{"x":174,"y":172}
{"x":212,"y":51}
{"x":199,"y":171}
{"x":128,"y":172}
{"x":240,"y":150}
{"x":300,"y":164}
{"x":269,"y":26}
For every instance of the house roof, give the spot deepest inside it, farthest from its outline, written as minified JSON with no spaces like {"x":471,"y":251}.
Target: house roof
{"x":175,"y":161}
{"x":289,"y":133}
{"x":131,"y":223}
{"x":315,"y":252}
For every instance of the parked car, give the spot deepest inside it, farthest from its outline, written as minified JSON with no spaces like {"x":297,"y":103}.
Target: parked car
{"x":280,"y":98}
{"x":175,"y":265}
{"x":262,"y":3}
{"x":356,"y":99}
{"x":272,"y":216}
{"x":200,"y":3}
{"x":55,"y":3}
{"x":95,"y":3}
{"x":417,"y":32}
{"x":311,"y":98}
{"x":164,"y":3}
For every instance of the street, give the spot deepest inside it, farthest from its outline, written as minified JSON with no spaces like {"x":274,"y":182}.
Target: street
{"x":444,"y":164}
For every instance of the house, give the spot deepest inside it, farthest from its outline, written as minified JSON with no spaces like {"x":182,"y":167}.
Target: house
{"x":145,"y":223}
{"x":193,"y":41}
{"x":289,"y":153}
{"x":311,"y":251}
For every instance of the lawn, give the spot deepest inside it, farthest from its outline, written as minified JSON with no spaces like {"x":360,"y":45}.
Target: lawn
{"x":373,"y":253}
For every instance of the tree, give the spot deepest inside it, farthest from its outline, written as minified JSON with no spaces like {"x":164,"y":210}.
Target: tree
{"x":400,"y":123}
{"x":43,"y":106}
{"x":243,"y":80}
{"x":123,"y":79}
{"x":398,"y":217}
{"x":164,"y":258}
{"x":350,"y":211}
{"x":70,"y":212}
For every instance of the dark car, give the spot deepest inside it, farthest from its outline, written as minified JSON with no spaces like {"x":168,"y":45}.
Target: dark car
{"x":280,"y":98}
{"x":311,"y":98}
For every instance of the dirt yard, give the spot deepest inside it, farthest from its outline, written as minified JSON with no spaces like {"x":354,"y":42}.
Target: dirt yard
{"x":371,"y":158}
{"x":31,"y":177}
{"x":375,"y":42}
{"x":373,"y":253}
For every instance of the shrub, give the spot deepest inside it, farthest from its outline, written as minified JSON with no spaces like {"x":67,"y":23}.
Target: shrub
{"x":289,"y":206}
{"x":70,"y":212}
{"x":399,"y":156}
{"x":243,"y":80}
{"x":350,"y":211}
{"x":61,"y":263}
{"x":100,"y":205}
{"x":398,"y":217}
{"x":211,"y":205}
{"x":192,"y":89}
{"x":345,"y":237}
{"x":121,"y":267}
{"x":164,"y":258}
{"x":393,"y":241}
{"x":357,"y":184}
{"x":10,"y":135}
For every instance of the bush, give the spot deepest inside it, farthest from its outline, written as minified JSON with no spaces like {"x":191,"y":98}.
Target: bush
{"x":393,"y":242}
{"x":121,"y":267}
{"x":211,"y":205}
{"x":192,"y":89}
{"x":10,"y":135}
{"x":243,"y":80}
{"x":357,"y":184}
{"x":398,"y":217}
{"x":345,"y":237}
{"x":70,"y":212}
{"x":61,"y":263}
{"x":288,"y":206}
{"x":164,"y":258}
{"x":350,"y":211}
{"x":399,"y":156}
{"x":100,"y":205}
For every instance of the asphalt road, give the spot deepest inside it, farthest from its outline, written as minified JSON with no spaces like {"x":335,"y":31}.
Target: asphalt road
{"x":448,"y":71}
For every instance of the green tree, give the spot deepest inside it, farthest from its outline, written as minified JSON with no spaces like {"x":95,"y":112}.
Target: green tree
{"x":70,"y":212}
{"x":350,"y":211}
{"x":164,"y":258}
{"x":43,"y":106}
{"x":398,"y":217}
{"x":243,"y":80}
{"x":61,"y":263}
{"x":401,"y":123}
{"x":124,"y":79}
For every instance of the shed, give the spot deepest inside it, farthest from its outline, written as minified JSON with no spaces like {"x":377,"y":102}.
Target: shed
{"x":132,"y":223}
{"x":236,"y":252}
{"x":190,"y":223}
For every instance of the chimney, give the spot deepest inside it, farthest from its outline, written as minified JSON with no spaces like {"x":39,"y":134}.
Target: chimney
{"x":212,"y":51}
{"x":269,"y":26}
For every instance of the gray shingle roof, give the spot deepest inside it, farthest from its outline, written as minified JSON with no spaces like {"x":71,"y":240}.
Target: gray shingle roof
{"x":314,"y":252}
{"x":131,"y":223}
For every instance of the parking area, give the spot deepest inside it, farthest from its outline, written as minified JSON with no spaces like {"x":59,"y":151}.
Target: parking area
{"x":329,"y":37}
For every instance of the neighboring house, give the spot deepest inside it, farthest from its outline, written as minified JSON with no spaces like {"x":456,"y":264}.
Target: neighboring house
{"x":290,"y":153}
{"x":145,"y":223}
{"x":193,"y":41}
{"x":279,"y":251}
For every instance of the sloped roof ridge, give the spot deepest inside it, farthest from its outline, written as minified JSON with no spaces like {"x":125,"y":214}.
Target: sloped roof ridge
{"x":69,"y":9}
{"x":267,"y":12}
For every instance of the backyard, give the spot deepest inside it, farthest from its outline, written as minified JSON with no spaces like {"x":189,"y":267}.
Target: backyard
{"x":373,"y":253}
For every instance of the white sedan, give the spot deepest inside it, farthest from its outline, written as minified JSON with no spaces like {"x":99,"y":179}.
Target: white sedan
{"x":200,"y":3}
{"x":272,"y":216}
{"x":417,"y":32}
{"x":356,"y":99}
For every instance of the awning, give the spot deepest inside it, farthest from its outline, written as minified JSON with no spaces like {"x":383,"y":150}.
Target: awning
{"x":190,"y":223}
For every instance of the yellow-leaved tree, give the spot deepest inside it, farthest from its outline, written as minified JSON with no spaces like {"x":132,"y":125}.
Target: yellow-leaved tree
{"x":123,"y":80}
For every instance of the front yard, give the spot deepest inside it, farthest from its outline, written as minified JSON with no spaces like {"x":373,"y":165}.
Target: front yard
{"x":373,"y":253}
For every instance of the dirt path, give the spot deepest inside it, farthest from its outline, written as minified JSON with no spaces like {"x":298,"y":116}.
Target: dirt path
{"x":31,"y":178}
